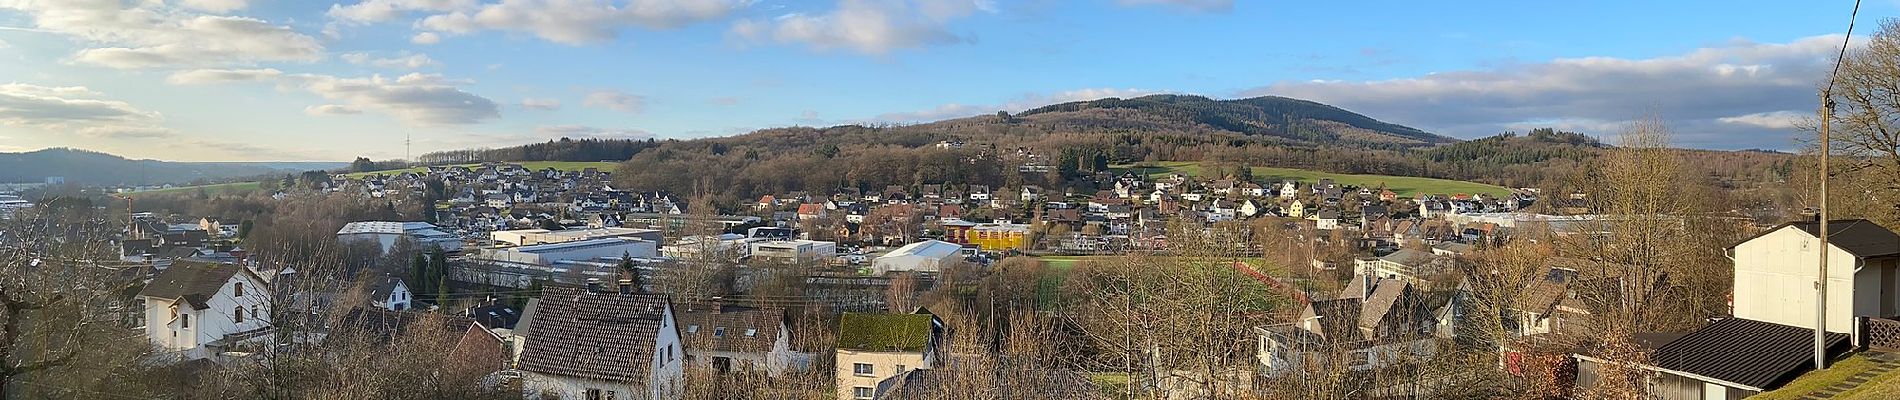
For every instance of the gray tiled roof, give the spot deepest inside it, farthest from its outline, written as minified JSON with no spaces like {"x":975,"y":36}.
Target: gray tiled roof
{"x":195,"y":281}
{"x":607,"y":336}
{"x":764,"y":324}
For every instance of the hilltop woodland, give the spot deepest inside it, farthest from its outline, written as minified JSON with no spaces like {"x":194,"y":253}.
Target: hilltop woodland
{"x":736,"y":170}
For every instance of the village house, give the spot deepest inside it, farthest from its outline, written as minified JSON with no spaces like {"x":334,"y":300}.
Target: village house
{"x":1772,"y":284}
{"x":735,"y":339}
{"x":197,"y":310}
{"x":474,"y":351}
{"x":874,"y":347}
{"x":1775,"y":314}
{"x":599,"y":344}
{"x":1373,"y":323}
{"x":1408,"y":264}
{"x":390,"y":293}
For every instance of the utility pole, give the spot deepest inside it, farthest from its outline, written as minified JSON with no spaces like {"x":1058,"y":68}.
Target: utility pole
{"x":1820,"y":286}
{"x":1827,"y":114}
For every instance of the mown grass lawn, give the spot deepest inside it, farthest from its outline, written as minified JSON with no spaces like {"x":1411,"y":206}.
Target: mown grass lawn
{"x":1406,"y":186}
{"x":1886,"y":386}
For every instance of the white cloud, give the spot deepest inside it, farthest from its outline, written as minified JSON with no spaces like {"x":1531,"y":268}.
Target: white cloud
{"x":616,"y":100}
{"x":1720,"y":97}
{"x":426,"y":38}
{"x":331,"y":109}
{"x":205,"y":76}
{"x":578,"y":21}
{"x":77,"y":110}
{"x":541,"y":104}
{"x":1019,"y":104}
{"x":370,"y":11}
{"x":404,"y":61}
{"x":127,"y":132}
{"x":416,"y":99}
{"x":216,"y":6}
{"x":151,"y":34}
{"x":1770,"y":120}
{"x":1210,"y":6}
{"x":867,"y":26}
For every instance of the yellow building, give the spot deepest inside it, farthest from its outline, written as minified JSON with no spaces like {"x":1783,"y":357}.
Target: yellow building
{"x":875,"y":347}
{"x":990,"y":237}
{"x":1296,"y":210}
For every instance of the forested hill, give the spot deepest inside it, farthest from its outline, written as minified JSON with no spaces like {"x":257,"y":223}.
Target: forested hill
{"x":565,"y":149}
{"x":1266,"y":120}
{"x":1286,"y":118}
{"x":94,"y":168}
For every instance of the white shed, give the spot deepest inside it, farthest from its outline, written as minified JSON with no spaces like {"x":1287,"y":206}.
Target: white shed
{"x":925,"y":256}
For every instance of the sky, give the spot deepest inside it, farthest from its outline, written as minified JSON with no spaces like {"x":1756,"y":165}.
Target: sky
{"x":331,"y":80}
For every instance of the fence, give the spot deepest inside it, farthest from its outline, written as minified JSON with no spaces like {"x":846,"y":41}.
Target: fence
{"x":1882,"y":333}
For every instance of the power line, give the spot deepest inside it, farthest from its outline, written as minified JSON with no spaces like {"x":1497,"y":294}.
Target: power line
{"x":1845,"y":39}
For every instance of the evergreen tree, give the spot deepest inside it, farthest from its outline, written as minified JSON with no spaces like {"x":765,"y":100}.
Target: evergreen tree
{"x":418,"y":271}
{"x":632,"y":274}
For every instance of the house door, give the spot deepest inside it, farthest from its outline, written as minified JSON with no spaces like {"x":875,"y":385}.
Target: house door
{"x":1889,"y":290}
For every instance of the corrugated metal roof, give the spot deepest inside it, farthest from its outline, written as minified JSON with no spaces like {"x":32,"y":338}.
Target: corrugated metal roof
{"x":1760,"y":354}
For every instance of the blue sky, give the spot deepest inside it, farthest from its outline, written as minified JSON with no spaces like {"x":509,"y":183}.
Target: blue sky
{"x":316,"y":80}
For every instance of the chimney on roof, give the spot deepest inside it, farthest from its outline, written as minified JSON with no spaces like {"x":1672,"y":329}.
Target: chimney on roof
{"x":626,"y":281}
{"x":718,"y":304}
{"x":593,"y":285}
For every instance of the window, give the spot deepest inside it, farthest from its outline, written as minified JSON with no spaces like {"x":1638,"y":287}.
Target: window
{"x":593,"y":394}
{"x":238,"y":315}
{"x":184,"y":321}
{"x":719,"y":332}
{"x":901,"y":368}
{"x":861,"y":369}
{"x":861,"y":392}
{"x":610,"y":395}
{"x":692,"y":329}
{"x":237,"y":289}
{"x":751,"y":332}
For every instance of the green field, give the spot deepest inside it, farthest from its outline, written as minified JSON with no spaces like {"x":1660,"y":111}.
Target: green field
{"x":214,"y":189}
{"x":1405,"y":186}
{"x":530,"y":165}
